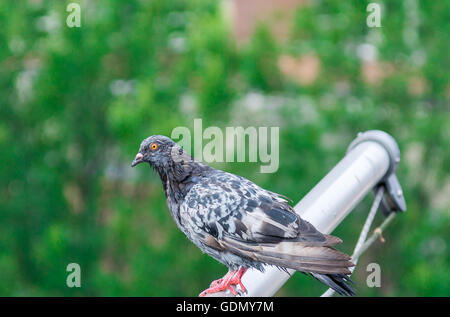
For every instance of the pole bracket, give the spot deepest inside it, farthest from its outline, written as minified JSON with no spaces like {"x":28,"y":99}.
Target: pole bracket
{"x":393,"y":199}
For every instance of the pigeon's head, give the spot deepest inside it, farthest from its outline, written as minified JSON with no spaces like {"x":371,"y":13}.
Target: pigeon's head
{"x":156,"y":150}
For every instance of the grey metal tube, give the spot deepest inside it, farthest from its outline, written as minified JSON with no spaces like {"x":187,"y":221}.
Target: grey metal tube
{"x":328,"y":203}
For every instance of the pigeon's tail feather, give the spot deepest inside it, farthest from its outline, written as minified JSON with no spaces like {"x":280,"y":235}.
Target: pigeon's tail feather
{"x":307,"y":263}
{"x":295,"y":255}
{"x":341,"y":283}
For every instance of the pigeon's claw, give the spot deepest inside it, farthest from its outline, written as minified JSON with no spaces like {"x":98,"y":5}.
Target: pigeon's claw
{"x":226,"y":283}
{"x":217,"y":289}
{"x":216,"y":282}
{"x":236,"y":280}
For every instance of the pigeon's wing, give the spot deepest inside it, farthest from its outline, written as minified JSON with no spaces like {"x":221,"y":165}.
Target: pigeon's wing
{"x":237,"y":216}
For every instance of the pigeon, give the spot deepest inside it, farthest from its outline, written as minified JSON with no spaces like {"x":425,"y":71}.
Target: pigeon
{"x":240,"y":224}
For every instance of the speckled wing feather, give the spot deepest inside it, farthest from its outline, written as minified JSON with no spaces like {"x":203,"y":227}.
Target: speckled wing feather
{"x":232,"y":215}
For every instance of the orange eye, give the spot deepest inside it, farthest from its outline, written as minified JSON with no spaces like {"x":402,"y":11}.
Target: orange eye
{"x":153,"y":146}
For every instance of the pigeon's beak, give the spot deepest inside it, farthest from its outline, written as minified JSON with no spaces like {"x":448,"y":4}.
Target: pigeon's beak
{"x":138,"y":159}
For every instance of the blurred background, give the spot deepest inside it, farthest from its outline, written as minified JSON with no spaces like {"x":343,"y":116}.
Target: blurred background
{"x":75,"y":103}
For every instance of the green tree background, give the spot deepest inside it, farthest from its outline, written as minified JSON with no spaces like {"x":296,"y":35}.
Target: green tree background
{"x":75,"y":104}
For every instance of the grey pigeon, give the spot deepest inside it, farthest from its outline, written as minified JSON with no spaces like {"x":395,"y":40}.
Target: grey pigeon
{"x":239,"y":223}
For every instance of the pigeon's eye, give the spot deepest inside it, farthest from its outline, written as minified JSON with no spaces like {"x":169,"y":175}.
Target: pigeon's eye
{"x":153,"y":146}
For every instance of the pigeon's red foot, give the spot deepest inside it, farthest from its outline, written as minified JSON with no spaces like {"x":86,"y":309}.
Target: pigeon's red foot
{"x":226,"y":283}
{"x":216,"y":282}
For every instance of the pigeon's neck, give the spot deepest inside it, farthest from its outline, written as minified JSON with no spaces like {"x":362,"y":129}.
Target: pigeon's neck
{"x":171,"y":186}
{"x":177,"y":180}
{"x":179,"y":177}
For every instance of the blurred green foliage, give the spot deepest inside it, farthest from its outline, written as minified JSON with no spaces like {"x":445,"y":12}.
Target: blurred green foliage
{"x":76,"y":103}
